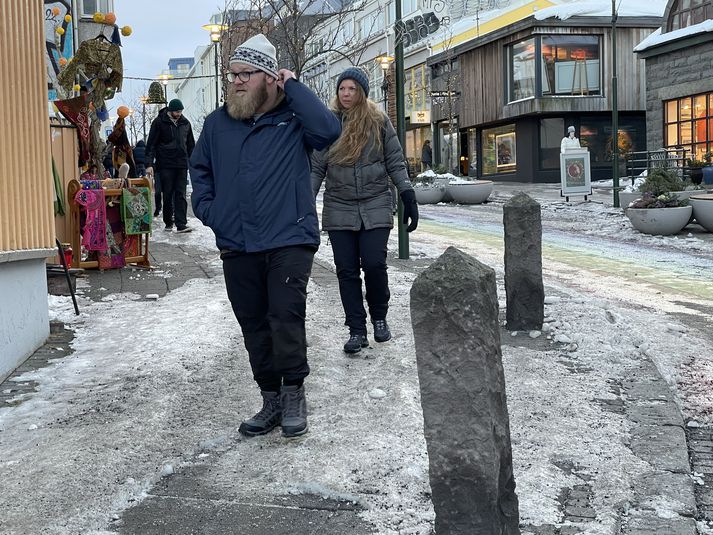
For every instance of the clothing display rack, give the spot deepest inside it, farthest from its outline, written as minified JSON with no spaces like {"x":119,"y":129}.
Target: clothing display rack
{"x":140,"y":254}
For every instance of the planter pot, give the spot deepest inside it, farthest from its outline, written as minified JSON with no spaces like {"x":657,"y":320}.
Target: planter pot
{"x":696,"y":174}
{"x":627,"y":197}
{"x":708,"y":175}
{"x":432,"y":195}
{"x":474,"y":192}
{"x":659,"y":221}
{"x":703,"y":210}
{"x":443,"y":182}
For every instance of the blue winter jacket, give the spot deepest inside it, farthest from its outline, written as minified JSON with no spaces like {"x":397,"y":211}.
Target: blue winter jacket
{"x":251,"y":179}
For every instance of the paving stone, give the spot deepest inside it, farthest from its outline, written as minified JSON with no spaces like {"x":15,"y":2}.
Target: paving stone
{"x":677,"y":490}
{"x":664,"y":447}
{"x":645,"y":523}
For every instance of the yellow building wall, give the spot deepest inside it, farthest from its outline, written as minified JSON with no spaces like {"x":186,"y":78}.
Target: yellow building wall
{"x":26,"y":185}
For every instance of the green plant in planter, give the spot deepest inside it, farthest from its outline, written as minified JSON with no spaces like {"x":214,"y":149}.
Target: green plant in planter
{"x":696,"y":164}
{"x":659,"y":181}
{"x":665,"y":200}
{"x":440,"y":169}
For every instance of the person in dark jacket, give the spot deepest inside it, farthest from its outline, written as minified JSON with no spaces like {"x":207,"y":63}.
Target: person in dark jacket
{"x":427,"y":155}
{"x":251,"y":185}
{"x":357,"y":211}
{"x":140,"y":157}
{"x":170,"y":144}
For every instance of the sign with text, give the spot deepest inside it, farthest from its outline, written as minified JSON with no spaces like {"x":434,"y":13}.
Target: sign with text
{"x":421,"y":117}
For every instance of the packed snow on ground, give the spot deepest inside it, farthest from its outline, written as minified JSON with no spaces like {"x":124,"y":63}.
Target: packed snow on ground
{"x":121,"y":412}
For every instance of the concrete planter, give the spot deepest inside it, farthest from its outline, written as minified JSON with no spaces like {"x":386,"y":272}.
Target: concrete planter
{"x":627,"y":197}
{"x":429,"y":195}
{"x":659,"y":221}
{"x":474,"y":192}
{"x":702,"y":205}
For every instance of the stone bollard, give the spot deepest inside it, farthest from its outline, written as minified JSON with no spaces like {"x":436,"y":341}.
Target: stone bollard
{"x":454,"y":312}
{"x":524,"y":290}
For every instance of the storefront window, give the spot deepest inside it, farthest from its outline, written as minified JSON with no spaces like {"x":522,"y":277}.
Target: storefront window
{"x":414,"y":145}
{"x":499,"y":150}
{"x":689,"y":124}
{"x":570,"y":65}
{"x":551,"y":133}
{"x":417,"y":89}
{"x":595,"y":133}
{"x":522,"y":70}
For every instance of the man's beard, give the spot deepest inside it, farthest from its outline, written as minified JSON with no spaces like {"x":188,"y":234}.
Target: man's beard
{"x":244,"y":104}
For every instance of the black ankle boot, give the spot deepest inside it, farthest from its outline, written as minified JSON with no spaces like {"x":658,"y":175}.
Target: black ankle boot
{"x":355,"y":343}
{"x":381,"y":331}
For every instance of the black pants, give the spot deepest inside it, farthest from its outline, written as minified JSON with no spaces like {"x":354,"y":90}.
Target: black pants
{"x":268,"y":292}
{"x":157,"y":192}
{"x":355,"y":251}
{"x":173,"y":185}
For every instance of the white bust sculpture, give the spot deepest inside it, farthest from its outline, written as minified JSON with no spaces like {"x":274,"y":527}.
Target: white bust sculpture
{"x":569,"y":141}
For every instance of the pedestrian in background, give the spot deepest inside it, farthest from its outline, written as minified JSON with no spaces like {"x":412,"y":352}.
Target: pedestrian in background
{"x":251,"y":185}
{"x":140,"y":157}
{"x":170,"y":145}
{"x":357,"y":214}
{"x":426,"y":156}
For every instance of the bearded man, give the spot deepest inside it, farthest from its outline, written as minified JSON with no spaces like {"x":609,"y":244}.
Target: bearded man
{"x":251,"y":185}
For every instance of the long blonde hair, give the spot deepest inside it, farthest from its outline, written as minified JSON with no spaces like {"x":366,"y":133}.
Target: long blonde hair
{"x":362,"y":121}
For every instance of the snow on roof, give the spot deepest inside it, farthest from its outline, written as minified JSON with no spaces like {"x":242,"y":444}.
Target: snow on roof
{"x":603,"y":8}
{"x":657,"y":38}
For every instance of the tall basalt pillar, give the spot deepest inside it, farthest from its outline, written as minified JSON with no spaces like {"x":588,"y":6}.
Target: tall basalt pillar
{"x":454,"y":311}
{"x":524,"y":290}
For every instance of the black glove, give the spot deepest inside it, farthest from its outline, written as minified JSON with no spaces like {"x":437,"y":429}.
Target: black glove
{"x":408,"y":197}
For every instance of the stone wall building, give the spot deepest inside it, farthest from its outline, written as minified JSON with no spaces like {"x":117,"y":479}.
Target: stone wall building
{"x":679,"y":83}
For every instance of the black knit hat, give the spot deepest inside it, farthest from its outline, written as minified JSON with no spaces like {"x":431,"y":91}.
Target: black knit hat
{"x":356,"y":74}
{"x":175,"y":105}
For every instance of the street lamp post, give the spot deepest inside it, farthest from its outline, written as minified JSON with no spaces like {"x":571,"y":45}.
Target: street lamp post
{"x":164,"y":78}
{"x":614,"y":109}
{"x":400,"y":120}
{"x":385,"y":62}
{"x":143,"y":115}
{"x":215,"y":32}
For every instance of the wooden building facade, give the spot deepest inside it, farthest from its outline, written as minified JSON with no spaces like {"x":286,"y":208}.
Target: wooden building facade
{"x":520,"y":87}
{"x":27,"y":230}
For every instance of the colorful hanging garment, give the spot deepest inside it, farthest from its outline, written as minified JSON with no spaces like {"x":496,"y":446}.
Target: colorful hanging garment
{"x":76,"y":111}
{"x":113,"y":256}
{"x":94,"y":235}
{"x":90,"y":184}
{"x":136,"y":209}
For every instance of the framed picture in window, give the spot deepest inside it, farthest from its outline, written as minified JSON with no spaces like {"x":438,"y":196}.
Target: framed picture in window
{"x":505,"y":150}
{"x":575,"y":172}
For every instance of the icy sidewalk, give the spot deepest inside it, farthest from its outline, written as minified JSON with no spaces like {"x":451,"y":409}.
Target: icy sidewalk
{"x":136,"y":430}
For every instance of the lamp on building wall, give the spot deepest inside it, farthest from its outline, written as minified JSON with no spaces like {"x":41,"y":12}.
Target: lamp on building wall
{"x":216,"y":31}
{"x":385,"y":62}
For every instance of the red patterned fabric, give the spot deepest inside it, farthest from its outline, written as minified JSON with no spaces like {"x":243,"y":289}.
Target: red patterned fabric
{"x":76,"y":111}
{"x":94,"y":234}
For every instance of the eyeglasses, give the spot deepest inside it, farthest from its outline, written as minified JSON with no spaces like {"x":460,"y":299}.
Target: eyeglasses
{"x":243,"y":76}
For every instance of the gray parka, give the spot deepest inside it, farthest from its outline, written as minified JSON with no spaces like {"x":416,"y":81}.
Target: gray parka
{"x":356,"y":194}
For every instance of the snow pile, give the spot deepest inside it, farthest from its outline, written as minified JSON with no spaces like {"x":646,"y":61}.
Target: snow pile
{"x":603,"y":8}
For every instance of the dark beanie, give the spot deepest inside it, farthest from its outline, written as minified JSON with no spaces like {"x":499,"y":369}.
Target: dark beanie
{"x":356,"y":74}
{"x":175,"y":105}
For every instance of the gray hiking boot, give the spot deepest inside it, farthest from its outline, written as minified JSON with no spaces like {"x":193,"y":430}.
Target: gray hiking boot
{"x":267,"y":419}
{"x":294,"y":411}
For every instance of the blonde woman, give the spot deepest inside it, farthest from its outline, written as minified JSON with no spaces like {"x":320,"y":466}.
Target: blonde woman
{"x":357,"y":170}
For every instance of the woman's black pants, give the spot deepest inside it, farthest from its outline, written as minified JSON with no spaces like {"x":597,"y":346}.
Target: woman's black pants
{"x":356,"y":251}
{"x":268,"y":293}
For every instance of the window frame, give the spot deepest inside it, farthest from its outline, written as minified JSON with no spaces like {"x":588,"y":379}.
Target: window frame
{"x":696,"y":12}
{"x":509,"y":70}
{"x":686,"y":121}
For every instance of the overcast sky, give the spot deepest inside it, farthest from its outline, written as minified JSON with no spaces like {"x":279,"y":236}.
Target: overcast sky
{"x":162,"y":29}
